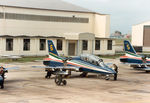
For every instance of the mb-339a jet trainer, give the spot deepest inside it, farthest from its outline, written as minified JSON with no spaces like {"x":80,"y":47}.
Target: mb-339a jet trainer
{"x":86,"y":63}
{"x":136,"y":61}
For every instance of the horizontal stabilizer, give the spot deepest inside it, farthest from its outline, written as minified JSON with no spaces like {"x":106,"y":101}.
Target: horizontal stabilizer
{"x":58,"y":67}
{"x":137,"y":63}
{"x":61,"y":73}
{"x":12,"y":68}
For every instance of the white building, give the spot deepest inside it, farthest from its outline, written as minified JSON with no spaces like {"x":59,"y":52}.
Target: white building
{"x":25,"y":25}
{"x":141,"y":36}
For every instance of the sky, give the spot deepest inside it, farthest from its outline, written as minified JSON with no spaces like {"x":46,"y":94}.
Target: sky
{"x":123,"y":13}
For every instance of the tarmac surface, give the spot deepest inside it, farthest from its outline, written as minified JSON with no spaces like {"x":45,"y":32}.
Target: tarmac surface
{"x":28,"y":85}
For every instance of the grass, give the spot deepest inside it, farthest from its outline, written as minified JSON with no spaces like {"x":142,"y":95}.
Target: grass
{"x":119,"y":42}
{"x":34,"y":58}
{"x":23,"y":59}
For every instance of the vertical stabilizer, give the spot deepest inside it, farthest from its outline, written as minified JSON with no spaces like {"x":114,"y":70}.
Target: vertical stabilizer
{"x":51,"y":48}
{"x":128,"y":47}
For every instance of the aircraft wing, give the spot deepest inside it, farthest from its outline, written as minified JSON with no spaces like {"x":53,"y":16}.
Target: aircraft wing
{"x":143,"y":69}
{"x":12,"y":68}
{"x":137,"y":63}
{"x":58,"y":67}
{"x":108,"y":64}
{"x":146,"y":69}
{"x":89,"y":67}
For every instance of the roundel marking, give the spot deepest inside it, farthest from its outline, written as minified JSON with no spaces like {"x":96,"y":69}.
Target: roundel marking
{"x":51,"y":47}
{"x":128,"y":47}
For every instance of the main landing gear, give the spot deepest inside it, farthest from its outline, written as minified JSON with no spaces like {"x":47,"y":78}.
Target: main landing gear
{"x":84,"y":74}
{"x":107,"y":77}
{"x":59,"y":80}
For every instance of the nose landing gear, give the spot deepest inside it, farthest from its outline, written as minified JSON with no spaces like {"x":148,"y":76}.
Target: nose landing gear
{"x":59,"y":80}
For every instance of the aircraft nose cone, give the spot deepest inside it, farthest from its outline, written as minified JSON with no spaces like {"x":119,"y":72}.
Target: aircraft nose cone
{"x":111,"y":71}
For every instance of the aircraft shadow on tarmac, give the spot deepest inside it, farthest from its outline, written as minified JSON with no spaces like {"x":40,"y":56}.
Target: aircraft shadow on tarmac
{"x":138,"y":72}
{"x":87,"y":77}
{"x":14,"y":81}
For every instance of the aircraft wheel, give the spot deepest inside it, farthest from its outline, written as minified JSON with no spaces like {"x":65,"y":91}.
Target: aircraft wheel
{"x":64,"y":82}
{"x":48,"y":76}
{"x":107,"y":77}
{"x":58,"y":79}
{"x":67,"y":76}
{"x":84,"y":74}
{"x":147,"y":71}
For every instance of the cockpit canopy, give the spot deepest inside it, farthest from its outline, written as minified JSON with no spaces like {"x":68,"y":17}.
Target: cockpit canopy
{"x":91,"y":59}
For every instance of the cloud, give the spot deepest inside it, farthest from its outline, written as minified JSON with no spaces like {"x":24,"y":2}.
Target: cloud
{"x":104,"y":1}
{"x":124,"y":13}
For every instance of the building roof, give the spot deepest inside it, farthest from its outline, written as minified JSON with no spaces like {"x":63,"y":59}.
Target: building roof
{"x":31,"y":36}
{"x":57,"y":5}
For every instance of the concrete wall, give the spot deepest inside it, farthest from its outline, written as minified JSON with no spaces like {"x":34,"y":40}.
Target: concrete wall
{"x":119,"y":48}
{"x":34,"y":47}
{"x":146,"y":49}
{"x":137,"y":34}
{"x":102,"y":25}
{"x":98,"y":24}
{"x":103,"y":48}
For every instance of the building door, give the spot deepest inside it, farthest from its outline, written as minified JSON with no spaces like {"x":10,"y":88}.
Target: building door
{"x":146,"y":40}
{"x":71,"y":49}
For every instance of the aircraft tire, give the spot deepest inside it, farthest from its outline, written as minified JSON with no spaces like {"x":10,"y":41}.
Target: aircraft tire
{"x":58,"y":79}
{"x":84,"y":74}
{"x":107,"y":77}
{"x":64,"y":82}
{"x":147,"y":71}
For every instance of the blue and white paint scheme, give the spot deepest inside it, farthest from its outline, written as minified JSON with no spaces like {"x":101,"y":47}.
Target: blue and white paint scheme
{"x":133,"y":59}
{"x":85,"y":63}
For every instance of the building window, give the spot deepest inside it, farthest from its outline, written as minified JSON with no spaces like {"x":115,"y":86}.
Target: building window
{"x":17,"y":16}
{"x":42,"y":44}
{"x":59,"y":44}
{"x":9,"y":44}
{"x":109,"y":45}
{"x":26,"y":44}
{"x":1,"y":15}
{"x":84,"y":45}
{"x":97,"y":44}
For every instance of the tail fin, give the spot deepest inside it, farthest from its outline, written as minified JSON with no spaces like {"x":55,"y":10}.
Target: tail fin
{"x":128,"y":47}
{"x":51,"y":48}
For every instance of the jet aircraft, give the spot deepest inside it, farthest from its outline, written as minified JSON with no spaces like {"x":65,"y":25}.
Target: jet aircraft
{"x":86,"y":63}
{"x":136,"y":61}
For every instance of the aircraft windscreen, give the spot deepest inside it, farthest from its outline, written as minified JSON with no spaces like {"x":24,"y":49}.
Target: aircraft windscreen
{"x":92,"y":59}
